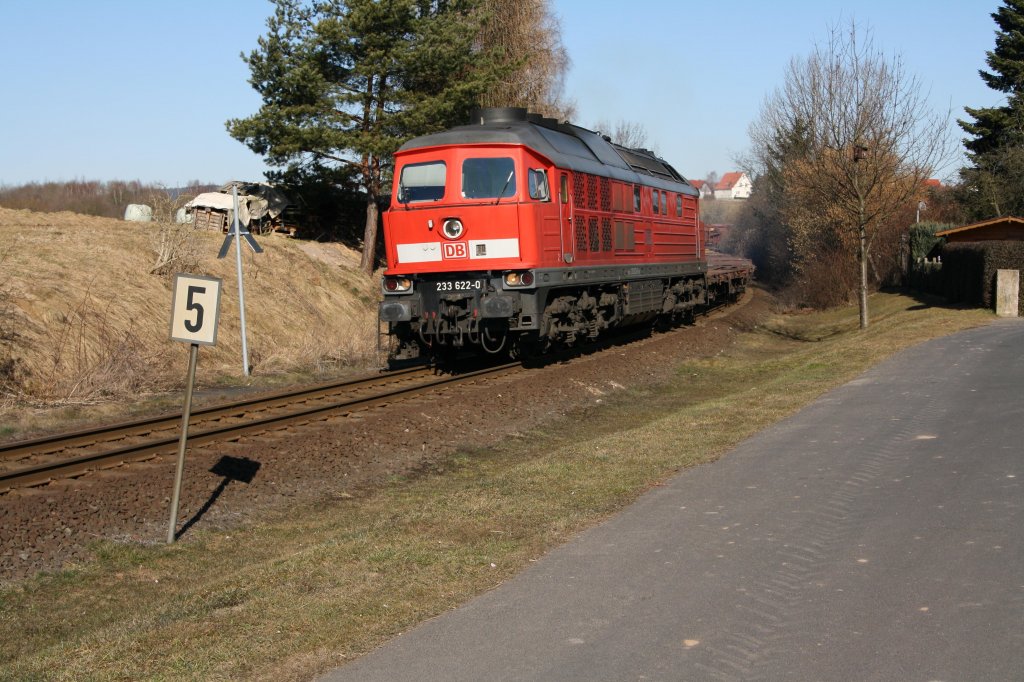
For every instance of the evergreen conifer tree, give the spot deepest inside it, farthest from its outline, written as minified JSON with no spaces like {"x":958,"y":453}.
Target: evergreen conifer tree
{"x":345,"y":82}
{"x":991,"y":186}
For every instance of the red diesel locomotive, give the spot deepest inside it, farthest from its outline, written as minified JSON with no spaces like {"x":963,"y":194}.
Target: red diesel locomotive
{"x":517,"y":233}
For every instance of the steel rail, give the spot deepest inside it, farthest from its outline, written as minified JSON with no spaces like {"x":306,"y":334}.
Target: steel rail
{"x":61,"y":441}
{"x":76,"y":466}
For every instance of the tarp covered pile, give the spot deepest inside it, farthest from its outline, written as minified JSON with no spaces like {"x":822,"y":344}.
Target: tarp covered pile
{"x":256,"y":201}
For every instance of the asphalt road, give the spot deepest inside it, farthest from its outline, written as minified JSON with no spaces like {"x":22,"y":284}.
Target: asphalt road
{"x":876,"y":535}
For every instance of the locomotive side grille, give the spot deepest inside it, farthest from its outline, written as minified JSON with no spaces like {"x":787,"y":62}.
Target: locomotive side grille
{"x":581,"y":236}
{"x":606,"y":234}
{"x":595,"y":237}
{"x":592,"y":192}
{"x":606,"y":194}
{"x":579,"y":190}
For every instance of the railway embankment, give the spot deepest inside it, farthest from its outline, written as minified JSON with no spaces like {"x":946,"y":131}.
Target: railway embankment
{"x":84,"y":322}
{"x":354,"y":530}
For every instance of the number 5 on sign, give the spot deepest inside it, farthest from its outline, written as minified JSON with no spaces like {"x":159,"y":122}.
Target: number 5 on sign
{"x":195,"y":309}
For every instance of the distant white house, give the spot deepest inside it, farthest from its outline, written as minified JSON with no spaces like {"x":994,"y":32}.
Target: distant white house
{"x":733,"y":185}
{"x":705,"y":189}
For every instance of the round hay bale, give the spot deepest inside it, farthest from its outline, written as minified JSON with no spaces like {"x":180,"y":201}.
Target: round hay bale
{"x":138,"y":213}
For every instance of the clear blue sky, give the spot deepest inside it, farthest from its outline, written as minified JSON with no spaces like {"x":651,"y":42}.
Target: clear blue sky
{"x":140,"y":90}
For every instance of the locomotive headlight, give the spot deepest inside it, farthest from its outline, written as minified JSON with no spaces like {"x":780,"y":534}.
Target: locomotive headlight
{"x":395,"y":285}
{"x":452,"y":228}
{"x":519,"y":279}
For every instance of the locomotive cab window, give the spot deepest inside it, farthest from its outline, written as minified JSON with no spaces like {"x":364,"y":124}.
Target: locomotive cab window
{"x":490,"y":178}
{"x":539,"y":185}
{"x":421,"y":182}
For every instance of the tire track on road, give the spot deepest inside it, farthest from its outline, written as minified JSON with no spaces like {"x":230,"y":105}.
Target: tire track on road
{"x":774,"y":608}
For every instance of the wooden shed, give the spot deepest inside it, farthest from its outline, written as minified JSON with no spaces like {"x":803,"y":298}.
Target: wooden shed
{"x":982,"y":263}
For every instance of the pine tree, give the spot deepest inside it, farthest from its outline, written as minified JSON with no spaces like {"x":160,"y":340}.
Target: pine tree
{"x":991,"y":186}
{"x":345,"y":82}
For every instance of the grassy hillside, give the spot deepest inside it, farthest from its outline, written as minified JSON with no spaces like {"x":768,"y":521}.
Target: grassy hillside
{"x":83,"y":319}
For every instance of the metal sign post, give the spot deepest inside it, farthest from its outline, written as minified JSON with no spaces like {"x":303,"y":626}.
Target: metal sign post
{"x":195,"y":310}
{"x":238,"y":235}
{"x":186,"y":414}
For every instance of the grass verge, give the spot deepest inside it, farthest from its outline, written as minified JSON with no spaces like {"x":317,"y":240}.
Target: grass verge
{"x":304,"y":592}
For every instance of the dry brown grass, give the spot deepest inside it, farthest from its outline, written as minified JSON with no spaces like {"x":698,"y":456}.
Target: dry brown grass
{"x":716,"y":211}
{"x":87,"y":321}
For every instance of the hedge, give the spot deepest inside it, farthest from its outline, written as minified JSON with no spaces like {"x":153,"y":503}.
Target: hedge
{"x":969,"y":270}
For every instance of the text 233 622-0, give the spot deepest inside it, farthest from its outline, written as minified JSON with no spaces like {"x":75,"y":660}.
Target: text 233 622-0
{"x":460,"y":285}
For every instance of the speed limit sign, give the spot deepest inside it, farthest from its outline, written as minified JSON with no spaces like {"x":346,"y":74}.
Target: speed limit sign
{"x":195,"y":309}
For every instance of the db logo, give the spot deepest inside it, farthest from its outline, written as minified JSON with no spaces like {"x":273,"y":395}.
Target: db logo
{"x":454,"y":250}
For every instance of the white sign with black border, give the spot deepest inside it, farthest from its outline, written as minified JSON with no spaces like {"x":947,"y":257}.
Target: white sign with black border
{"x":195,"y":309}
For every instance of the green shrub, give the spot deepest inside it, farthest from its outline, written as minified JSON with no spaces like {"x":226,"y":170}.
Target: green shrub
{"x":923,"y":239}
{"x":924,"y":274}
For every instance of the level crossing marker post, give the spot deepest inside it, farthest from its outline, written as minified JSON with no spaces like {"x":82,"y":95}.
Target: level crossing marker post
{"x":237,"y":234}
{"x":195,"y":310}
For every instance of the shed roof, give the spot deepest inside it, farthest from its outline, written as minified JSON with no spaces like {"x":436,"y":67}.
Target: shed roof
{"x":1008,"y":227}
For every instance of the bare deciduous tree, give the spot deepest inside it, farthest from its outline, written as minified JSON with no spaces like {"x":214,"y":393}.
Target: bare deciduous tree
{"x":530,"y":37}
{"x":870,"y":140}
{"x":174,"y":244}
{"x":626,"y":133}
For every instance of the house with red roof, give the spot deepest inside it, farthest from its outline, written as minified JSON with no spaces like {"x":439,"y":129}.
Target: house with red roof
{"x":704,"y":187}
{"x":733,"y":185}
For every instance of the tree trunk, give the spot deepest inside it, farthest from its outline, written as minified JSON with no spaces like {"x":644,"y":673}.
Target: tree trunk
{"x":863,"y":254}
{"x":369,"y":258}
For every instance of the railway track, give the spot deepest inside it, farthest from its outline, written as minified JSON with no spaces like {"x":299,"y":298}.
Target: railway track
{"x":39,"y":461}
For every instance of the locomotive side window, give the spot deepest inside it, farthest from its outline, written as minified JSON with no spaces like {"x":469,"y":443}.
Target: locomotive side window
{"x":636,"y":198}
{"x":493,"y":178}
{"x":679,"y":205}
{"x":664,"y":203}
{"x":421,"y":182}
{"x":538,"y":179}
{"x":564,"y":193}
{"x":654,"y":201}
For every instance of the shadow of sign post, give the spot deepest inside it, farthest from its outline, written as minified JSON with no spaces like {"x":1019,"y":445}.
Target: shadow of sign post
{"x":240,"y":469}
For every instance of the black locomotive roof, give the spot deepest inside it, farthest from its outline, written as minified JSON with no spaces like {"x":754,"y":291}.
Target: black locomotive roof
{"x":566,"y":145}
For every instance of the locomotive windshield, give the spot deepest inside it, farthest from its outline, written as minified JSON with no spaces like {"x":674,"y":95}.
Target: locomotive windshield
{"x":421,"y":182}
{"x":493,"y":178}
